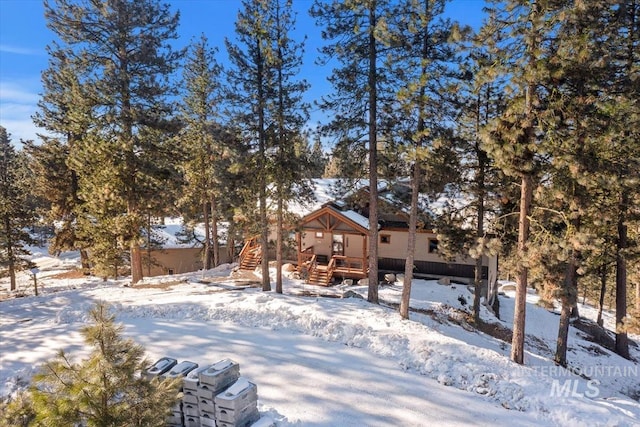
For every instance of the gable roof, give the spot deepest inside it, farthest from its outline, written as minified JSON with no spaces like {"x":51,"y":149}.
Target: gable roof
{"x":328,"y":218}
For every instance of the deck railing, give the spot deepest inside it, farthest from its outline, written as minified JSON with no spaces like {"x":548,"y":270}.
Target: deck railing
{"x":347,"y":264}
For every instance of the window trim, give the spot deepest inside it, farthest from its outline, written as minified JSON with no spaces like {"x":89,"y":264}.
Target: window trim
{"x":429,"y":247}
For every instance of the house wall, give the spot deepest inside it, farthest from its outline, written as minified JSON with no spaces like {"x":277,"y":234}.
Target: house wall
{"x":392,"y":256}
{"x":353,"y":245}
{"x":321,"y":245}
{"x":397,"y":248}
{"x":179,"y":260}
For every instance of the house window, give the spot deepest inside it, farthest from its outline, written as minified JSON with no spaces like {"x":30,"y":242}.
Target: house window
{"x":385,"y":238}
{"x":433,"y":246}
{"x":319,"y":234}
{"x":170,"y":271}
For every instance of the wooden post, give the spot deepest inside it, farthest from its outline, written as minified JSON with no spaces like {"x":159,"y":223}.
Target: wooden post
{"x":299,"y":241}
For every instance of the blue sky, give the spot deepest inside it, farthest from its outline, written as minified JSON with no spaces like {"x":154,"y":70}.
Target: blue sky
{"x":24,"y":37}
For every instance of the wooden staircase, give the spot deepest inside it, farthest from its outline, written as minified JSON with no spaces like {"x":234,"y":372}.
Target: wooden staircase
{"x":250,"y":255}
{"x":321,"y":274}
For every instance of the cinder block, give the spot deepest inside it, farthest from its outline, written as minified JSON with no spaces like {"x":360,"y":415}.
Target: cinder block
{"x":220,"y":375}
{"x":240,"y":395}
{"x":204,"y":392}
{"x":191,"y":421}
{"x":190,"y":410}
{"x":251,"y":417}
{"x":230,"y":416}
{"x":191,"y":381}
{"x":160,"y":367}
{"x":179,"y":370}
{"x":175,"y":418}
{"x":191,"y":399}
{"x":206,"y":407}
{"x":207,"y":421}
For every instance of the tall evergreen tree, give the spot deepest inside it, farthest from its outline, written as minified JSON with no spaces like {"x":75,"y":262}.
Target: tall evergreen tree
{"x":201,"y":141}
{"x":479,"y":102}
{"x":421,"y":55}
{"x":620,"y":154}
{"x":64,"y":111}
{"x":289,"y":114}
{"x":120,"y":49}
{"x":355,"y":31}
{"x":250,"y":83}
{"x":573,"y":130}
{"x":520,"y":35}
{"x":14,"y":211}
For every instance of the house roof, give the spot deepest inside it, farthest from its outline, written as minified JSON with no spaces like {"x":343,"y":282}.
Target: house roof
{"x":329,"y":218}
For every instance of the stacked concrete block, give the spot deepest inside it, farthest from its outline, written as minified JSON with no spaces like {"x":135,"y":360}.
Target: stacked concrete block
{"x":213,"y":380}
{"x":160,"y":367}
{"x":180,"y":370}
{"x":238,"y":405}
{"x":212,"y":395}
{"x":190,"y":397}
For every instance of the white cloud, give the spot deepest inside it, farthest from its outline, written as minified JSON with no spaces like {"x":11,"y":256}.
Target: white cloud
{"x":18,"y":102}
{"x":18,"y":92}
{"x":18,"y":50}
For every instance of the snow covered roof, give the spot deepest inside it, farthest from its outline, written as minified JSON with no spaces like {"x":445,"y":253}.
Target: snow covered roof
{"x":357,"y":218}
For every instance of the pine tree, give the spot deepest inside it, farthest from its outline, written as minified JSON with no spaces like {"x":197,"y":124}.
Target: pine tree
{"x":289,"y":114}
{"x":250,"y":83}
{"x":354,"y":30}
{"x":201,"y":142}
{"x":64,"y":111}
{"x":120,"y":50}
{"x":421,"y":54}
{"x":620,"y":151}
{"x":106,"y":389}
{"x":519,"y":32}
{"x":15,"y":215}
{"x":479,"y":102}
{"x":573,"y":129}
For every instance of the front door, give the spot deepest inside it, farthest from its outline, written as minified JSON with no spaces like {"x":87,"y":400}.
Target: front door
{"x":337,"y":247}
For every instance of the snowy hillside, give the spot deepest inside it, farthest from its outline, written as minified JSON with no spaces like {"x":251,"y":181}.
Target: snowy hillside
{"x":319,"y":360}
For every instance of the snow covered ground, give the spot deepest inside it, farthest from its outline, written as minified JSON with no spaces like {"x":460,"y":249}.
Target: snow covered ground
{"x":322,"y":360}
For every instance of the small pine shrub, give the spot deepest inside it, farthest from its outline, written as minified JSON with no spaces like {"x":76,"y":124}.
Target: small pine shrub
{"x":104,"y":390}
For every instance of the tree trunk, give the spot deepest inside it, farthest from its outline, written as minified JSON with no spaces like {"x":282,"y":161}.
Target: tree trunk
{"x":279,"y":247}
{"x":517,"y":342}
{"x":622,"y":340}
{"x":477,"y":281}
{"x":84,"y":262}
{"x":136,"y":263}
{"x":603,"y":289}
{"x":262,"y":170}
{"x":565,"y":314}
{"x":411,"y":243}
{"x":10,"y":256}
{"x":214,"y":232}
{"x":372,"y":295}
{"x":206,"y":253}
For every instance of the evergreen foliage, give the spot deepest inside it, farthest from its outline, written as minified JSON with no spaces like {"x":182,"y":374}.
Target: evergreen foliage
{"x":105,"y":389}
{"x":355,"y":31}
{"x":519,"y":43}
{"x":265,"y":64}
{"x":15,"y":214}
{"x":120,"y":51}
{"x":250,"y":80}
{"x":64,"y":111}
{"x":422,"y":56}
{"x":203,"y":141}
